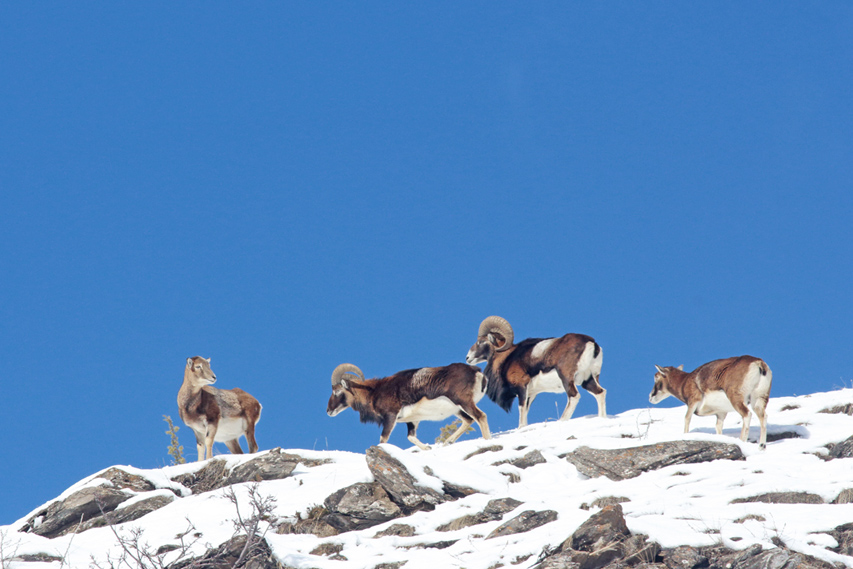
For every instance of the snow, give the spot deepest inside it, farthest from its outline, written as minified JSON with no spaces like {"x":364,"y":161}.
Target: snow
{"x":677,"y":505}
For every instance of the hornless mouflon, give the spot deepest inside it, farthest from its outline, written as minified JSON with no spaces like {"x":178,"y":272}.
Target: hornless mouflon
{"x":717,"y":388}
{"x":220,"y":415}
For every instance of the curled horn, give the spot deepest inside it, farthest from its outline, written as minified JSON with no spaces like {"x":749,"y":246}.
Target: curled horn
{"x":499,"y":325}
{"x":343,"y":369}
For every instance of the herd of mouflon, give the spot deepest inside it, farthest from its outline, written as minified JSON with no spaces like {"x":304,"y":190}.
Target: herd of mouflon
{"x":513,"y":370}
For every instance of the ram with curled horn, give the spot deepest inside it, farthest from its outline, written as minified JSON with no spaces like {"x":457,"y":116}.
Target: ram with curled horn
{"x":536,"y":365}
{"x":411,"y":396}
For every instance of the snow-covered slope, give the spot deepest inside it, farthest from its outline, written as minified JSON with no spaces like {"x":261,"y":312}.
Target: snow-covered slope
{"x":676,"y":505}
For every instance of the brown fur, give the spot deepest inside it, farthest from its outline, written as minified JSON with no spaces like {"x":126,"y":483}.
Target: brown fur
{"x":381,"y":400}
{"x":511,"y":371}
{"x":204,"y":409}
{"x":726,"y":376}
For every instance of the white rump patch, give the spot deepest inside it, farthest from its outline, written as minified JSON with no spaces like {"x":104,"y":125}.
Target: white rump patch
{"x":540,"y":348}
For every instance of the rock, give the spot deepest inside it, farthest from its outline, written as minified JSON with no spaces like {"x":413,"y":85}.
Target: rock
{"x":313,"y":526}
{"x":781,"y":558}
{"x":258,"y":556}
{"x":684,"y":557}
{"x":843,"y":449}
{"x":621,"y":464}
{"x":400,"y":485}
{"x":843,"y":409}
{"x":532,"y":458}
{"x":782,"y":498}
{"x":601,"y":528}
{"x":492,"y":448}
{"x":843,"y":534}
{"x":493,"y":511}
{"x":63,"y":517}
{"x":210,"y":477}
{"x":845,"y":497}
{"x":272,"y":465}
{"x":123,"y":479}
{"x":523,"y":522}
{"x":129,"y":513}
{"x":394,"y":565}
{"x":328,"y":549}
{"x":605,"y":501}
{"x":359,"y":506}
{"x":400,"y":530}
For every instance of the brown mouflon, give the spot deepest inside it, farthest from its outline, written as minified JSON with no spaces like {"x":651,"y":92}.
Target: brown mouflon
{"x":717,"y":388}
{"x":411,"y":396}
{"x":535,"y":365}
{"x":220,"y":415}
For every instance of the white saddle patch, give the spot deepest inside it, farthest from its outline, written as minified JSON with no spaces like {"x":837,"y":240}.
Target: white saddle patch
{"x":422,"y":376}
{"x":540,"y":348}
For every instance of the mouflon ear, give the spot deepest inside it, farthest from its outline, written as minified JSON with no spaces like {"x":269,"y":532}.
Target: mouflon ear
{"x":189,"y":362}
{"x":660,"y":369}
{"x":681,"y":367}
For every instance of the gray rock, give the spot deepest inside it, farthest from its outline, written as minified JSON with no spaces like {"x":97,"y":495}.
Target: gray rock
{"x":843,"y":534}
{"x":359,"y":506}
{"x":605,"y":501}
{"x":493,"y":511}
{"x":684,"y":557}
{"x":400,"y":530}
{"x":272,"y":465}
{"x":602,"y":528}
{"x":782,"y":498}
{"x":843,"y":449}
{"x":400,"y":485}
{"x":845,"y":409}
{"x":492,"y":448}
{"x":64,"y":517}
{"x":845,"y":497}
{"x":123,"y":479}
{"x":532,"y":458}
{"x":523,"y":522}
{"x":621,"y":464}
{"x":781,"y":558}
{"x":257,"y":556}
{"x":130,"y":513}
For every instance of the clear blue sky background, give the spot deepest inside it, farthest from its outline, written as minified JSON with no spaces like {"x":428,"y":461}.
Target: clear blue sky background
{"x":285,"y":187}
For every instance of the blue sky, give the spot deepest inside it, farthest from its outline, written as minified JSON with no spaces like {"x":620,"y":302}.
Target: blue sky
{"x":286,"y":187}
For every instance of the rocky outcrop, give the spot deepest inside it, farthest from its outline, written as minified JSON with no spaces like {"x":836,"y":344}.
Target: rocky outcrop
{"x":400,"y":485}
{"x":65,"y":516}
{"x":782,"y":498}
{"x":621,"y":464}
{"x":493,"y":511}
{"x":843,"y":449}
{"x":525,"y":521}
{"x":235,"y":554}
{"x":532,"y":458}
{"x":272,"y":465}
{"x":359,"y":506}
{"x":129,"y":513}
